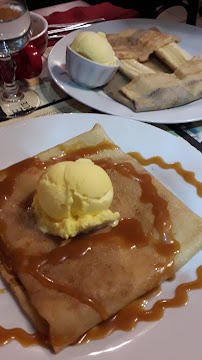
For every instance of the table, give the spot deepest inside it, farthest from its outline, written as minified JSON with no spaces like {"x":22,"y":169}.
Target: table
{"x":55,"y":101}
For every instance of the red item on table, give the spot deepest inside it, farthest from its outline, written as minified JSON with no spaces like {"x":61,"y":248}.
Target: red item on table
{"x":29,"y":62}
{"x":105,"y":10}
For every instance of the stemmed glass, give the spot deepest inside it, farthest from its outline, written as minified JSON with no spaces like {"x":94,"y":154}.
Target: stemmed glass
{"x":15,"y":33}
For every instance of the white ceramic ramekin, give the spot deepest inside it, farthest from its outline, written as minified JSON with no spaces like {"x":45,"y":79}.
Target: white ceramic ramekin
{"x":86,"y":72}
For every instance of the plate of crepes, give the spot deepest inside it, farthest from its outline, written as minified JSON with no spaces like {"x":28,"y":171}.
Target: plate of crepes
{"x":99,"y":254}
{"x":160,"y":74}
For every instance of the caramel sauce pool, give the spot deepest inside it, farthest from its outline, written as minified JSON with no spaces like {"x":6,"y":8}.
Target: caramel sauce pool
{"x":127,"y":318}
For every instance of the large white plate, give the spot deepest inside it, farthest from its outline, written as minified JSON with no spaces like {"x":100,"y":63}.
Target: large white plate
{"x":191,"y":41}
{"x":178,"y":334}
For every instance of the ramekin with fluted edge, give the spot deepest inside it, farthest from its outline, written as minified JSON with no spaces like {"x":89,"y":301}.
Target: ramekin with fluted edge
{"x":86,"y":72}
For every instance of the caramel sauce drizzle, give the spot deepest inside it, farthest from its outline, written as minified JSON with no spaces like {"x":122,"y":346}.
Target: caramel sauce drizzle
{"x":188,"y":176}
{"x":12,"y":172}
{"x":127,"y":318}
{"x":23,"y":337}
{"x":169,"y":246}
{"x":33,"y":264}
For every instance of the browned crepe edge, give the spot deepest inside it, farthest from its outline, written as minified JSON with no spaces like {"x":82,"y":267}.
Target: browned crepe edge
{"x":21,"y":295}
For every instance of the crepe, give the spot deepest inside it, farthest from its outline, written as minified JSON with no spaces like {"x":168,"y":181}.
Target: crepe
{"x":139,"y":44}
{"x":123,"y":76}
{"x":67,"y":289}
{"x":131,"y":68}
{"x":157,"y":90}
{"x":190,"y":74}
{"x":113,"y":89}
{"x":160,"y":91}
{"x":169,"y":78}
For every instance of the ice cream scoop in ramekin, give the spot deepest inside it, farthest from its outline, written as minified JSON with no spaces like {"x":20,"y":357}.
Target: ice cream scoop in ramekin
{"x":87,"y":72}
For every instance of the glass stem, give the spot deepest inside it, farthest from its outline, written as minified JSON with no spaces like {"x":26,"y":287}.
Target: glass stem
{"x":11,"y":92}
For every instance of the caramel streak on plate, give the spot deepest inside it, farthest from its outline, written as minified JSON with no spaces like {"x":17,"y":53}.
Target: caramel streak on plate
{"x":127,"y":318}
{"x":22,"y":337}
{"x":188,"y":176}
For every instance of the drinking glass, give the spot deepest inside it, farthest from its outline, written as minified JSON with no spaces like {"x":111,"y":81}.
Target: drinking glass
{"x":15,"y":33}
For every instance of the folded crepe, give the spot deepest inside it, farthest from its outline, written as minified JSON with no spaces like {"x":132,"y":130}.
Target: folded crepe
{"x":148,"y":91}
{"x":67,"y":289}
{"x":113,"y":89}
{"x":169,"y":78}
{"x":130,"y":69}
{"x":157,"y":92}
{"x":190,"y":75}
{"x":139,"y":44}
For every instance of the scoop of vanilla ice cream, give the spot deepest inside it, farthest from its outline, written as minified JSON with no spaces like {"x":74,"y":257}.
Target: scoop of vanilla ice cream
{"x":72,"y":197}
{"x":74,"y":189}
{"x":95,"y":47}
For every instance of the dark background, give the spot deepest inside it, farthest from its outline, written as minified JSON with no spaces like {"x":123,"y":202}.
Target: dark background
{"x":36,"y":4}
{"x":147,"y":8}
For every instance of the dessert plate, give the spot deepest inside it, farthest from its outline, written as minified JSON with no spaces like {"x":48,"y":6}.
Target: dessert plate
{"x":190,"y":41}
{"x":178,"y":334}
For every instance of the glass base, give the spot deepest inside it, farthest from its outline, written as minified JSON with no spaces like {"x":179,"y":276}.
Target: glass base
{"x":23,"y":106}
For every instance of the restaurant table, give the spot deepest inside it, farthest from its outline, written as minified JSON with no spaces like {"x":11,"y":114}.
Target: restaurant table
{"x":55,"y":101}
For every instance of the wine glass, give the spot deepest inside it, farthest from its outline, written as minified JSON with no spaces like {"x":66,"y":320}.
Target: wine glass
{"x":15,"y":33}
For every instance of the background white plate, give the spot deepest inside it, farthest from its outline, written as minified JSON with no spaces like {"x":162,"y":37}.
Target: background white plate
{"x":178,"y":334}
{"x":191,"y":41}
